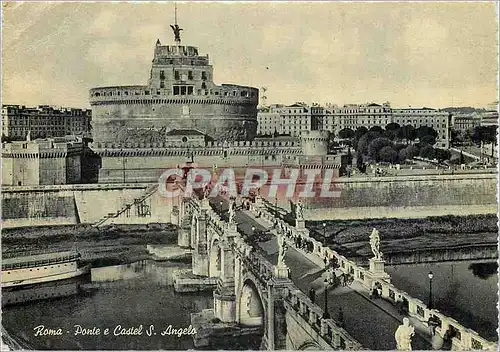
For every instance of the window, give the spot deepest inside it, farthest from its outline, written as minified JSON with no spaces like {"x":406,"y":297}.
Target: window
{"x":190,"y":75}
{"x":162,"y":84}
{"x":204,"y":75}
{"x":177,"y":75}
{"x":190,"y":90}
{"x":162,"y":74}
{"x":176,"y":90}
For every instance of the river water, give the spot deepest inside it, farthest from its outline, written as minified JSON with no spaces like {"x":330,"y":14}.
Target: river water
{"x":465,"y":290}
{"x":129,"y":295}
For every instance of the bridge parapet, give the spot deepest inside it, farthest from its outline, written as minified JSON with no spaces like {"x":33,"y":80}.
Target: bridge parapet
{"x":328,"y":329}
{"x":465,"y":338}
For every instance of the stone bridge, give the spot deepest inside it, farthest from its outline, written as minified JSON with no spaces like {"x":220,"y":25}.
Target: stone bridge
{"x":252,"y":295}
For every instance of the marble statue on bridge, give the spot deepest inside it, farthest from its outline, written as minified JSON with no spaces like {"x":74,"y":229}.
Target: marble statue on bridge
{"x":206,"y":194}
{"x":232,"y":213}
{"x":375,"y":244}
{"x":403,"y":335}
{"x":282,"y":249}
{"x":299,"y":213}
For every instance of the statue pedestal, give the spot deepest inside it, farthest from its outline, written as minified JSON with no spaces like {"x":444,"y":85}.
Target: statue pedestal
{"x":377,"y":270}
{"x":205,"y":204}
{"x":300,"y":224}
{"x":281,"y":271}
{"x":232,"y":228}
{"x":258,"y":202}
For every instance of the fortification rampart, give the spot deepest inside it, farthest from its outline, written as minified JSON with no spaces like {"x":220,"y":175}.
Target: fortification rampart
{"x":228,"y":145}
{"x":28,"y":206}
{"x":408,"y":196}
{"x":74,"y":204}
{"x":131,"y":96}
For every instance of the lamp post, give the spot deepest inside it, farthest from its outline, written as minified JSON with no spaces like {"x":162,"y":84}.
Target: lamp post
{"x":326,"y":315}
{"x":253,"y":230}
{"x":431,"y":276}
{"x":324,"y":233}
{"x":220,"y":208}
{"x":124,"y":161}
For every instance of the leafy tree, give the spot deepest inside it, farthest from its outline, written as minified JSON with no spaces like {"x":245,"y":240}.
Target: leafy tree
{"x":376,"y":145}
{"x":377,"y":129}
{"x":399,"y":146}
{"x":393,"y":126}
{"x":409,"y":152}
{"x":407,"y":132}
{"x":442,"y":154}
{"x":403,"y":155}
{"x":430,"y":140}
{"x":427,"y":152}
{"x":485,"y":134}
{"x":360,"y":132}
{"x":456,"y":137}
{"x":423,"y":131}
{"x":389,"y":134}
{"x":359,"y":163}
{"x":388,"y":154}
{"x":346,"y":133}
{"x":470,"y":135}
{"x":349,"y":156}
{"x":364,"y":141}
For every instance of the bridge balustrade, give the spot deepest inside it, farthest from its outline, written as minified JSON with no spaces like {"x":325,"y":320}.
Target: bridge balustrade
{"x":464,"y":338}
{"x":328,"y":329}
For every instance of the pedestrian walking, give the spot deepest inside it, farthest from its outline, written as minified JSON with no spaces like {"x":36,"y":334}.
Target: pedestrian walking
{"x":312,"y":295}
{"x":340,"y":317}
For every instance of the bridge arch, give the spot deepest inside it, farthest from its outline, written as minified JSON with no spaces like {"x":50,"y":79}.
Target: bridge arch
{"x":251,"y":306}
{"x":309,"y":346}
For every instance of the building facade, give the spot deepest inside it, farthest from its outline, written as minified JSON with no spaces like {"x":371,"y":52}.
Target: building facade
{"x":489,"y":118}
{"x":354,"y":116}
{"x":299,"y":118}
{"x":290,"y":120}
{"x":42,"y":162}
{"x":464,"y":122}
{"x":44,"y":121}
{"x":439,"y":120}
{"x":180,"y":94}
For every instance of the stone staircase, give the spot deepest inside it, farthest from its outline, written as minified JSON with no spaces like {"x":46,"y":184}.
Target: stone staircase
{"x":148,"y":193}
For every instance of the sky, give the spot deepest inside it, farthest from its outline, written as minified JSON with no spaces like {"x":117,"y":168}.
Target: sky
{"x":409,"y":54}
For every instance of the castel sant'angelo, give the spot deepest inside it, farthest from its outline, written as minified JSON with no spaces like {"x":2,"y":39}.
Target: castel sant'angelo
{"x":180,"y":94}
{"x":181,"y":116}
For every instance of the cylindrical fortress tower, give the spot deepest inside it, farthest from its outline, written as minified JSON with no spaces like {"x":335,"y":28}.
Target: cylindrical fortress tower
{"x":180,"y":94}
{"x":314,"y":142}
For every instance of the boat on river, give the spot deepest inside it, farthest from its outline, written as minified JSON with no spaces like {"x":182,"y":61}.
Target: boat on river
{"x":26,"y":270}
